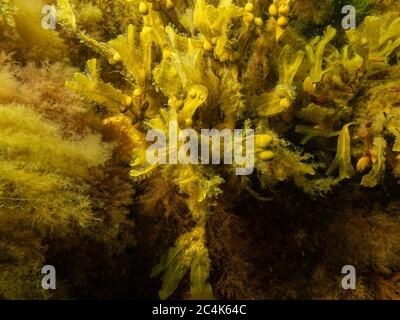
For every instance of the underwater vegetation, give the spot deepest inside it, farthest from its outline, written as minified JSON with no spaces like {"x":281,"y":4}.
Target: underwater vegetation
{"x":76,"y":189}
